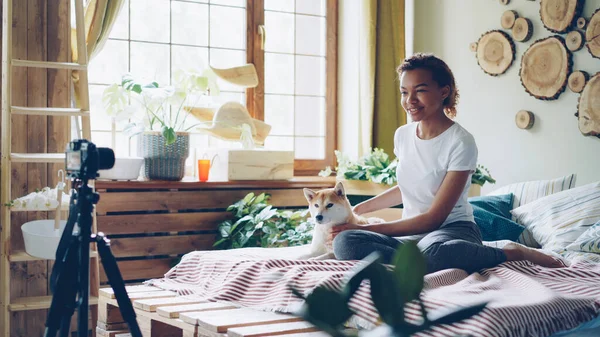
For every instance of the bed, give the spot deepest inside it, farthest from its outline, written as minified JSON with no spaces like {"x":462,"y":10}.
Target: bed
{"x":524,"y":299}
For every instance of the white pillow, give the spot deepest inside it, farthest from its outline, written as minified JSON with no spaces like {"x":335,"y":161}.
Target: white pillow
{"x":559,"y":219}
{"x":528,"y":191}
{"x":589,"y":241}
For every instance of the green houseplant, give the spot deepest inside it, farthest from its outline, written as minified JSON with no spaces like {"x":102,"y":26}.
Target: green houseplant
{"x":255,"y":223}
{"x":481,"y":176}
{"x":377,"y":167}
{"x":391,"y":290}
{"x":157,"y":113}
{"x":374,"y":166}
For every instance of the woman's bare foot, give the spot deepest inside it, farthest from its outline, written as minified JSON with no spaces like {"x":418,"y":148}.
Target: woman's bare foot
{"x":518,"y":252}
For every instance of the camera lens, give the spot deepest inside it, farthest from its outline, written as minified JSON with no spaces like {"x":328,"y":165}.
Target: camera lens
{"x":106,"y":158}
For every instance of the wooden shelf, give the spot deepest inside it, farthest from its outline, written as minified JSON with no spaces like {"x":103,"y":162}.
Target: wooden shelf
{"x":191,"y":183}
{"x":37,"y":157}
{"x":62,"y":208}
{"x":22,"y":256}
{"x":41,"y":111}
{"x":49,"y":65}
{"x":37,"y":303}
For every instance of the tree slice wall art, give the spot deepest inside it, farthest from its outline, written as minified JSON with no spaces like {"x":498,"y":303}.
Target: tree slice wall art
{"x":575,"y":40}
{"x":592,"y":34}
{"x":507,"y":21}
{"x":522,"y":30}
{"x":581,"y":23}
{"x":577,"y":81}
{"x":545,"y":67}
{"x":524,"y":119}
{"x":495,"y":52}
{"x":588,"y":108}
{"x":560,"y":15}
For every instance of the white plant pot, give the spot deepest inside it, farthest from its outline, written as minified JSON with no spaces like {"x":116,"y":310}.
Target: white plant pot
{"x":124,"y":169}
{"x":41,"y":239}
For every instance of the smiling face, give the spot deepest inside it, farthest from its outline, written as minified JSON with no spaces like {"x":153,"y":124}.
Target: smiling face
{"x":422,"y":97}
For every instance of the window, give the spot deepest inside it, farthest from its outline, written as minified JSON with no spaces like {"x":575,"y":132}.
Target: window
{"x":295,"y":61}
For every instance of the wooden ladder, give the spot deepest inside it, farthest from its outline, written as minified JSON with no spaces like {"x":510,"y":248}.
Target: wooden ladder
{"x":7,"y":256}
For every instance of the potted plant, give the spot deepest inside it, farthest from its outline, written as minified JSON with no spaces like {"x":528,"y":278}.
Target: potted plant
{"x":478,"y":179}
{"x":156,"y":113}
{"x":374,"y":173}
{"x":371,"y":174}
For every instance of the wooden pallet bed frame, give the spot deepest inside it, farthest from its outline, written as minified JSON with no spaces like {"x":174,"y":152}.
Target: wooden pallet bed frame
{"x":162,"y":313}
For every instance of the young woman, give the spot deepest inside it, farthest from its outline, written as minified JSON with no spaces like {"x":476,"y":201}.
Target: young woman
{"x":436,"y":159}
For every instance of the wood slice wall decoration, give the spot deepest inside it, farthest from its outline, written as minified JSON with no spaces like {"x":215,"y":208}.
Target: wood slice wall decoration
{"x":581,"y":23}
{"x":592,"y":34}
{"x":559,"y":15}
{"x":507,"y":21}
{"x":588,"y":108}
{"x":545,"y":67}
{"x":575,"y":40}
{"x":495,"y":52}
{"x":577,"y":81}
{"x":522,"y":30}
{"x":524,"y":119}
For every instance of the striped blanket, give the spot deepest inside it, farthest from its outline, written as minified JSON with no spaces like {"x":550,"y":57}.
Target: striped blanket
{"x":524,"y":299}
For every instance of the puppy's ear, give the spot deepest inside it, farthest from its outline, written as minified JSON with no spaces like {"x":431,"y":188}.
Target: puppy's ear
{"x":339,"y":189}
{"x":309,"y":194}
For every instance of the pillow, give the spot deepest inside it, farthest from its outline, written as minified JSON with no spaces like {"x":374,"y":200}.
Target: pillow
{"x":559,"y":219}
{"x":494,"y":227}
{"x":528,"y":191}
{"x":498,"y":204}
{"x":492,"y":216}
{"x":589,"y":241}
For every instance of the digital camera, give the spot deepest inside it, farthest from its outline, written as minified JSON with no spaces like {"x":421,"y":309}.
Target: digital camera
{"x":84,"y":159}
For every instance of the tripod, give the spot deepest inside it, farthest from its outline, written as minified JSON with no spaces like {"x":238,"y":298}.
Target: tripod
{"x":69,"y":281}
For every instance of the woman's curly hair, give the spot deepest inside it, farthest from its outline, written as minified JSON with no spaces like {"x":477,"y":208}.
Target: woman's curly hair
{"x":441,"y":74}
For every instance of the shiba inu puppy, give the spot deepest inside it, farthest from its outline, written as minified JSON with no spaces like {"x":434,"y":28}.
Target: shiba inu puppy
{"x":329,"y":207}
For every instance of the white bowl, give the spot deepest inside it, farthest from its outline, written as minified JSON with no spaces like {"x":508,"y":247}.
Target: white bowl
{"x":41,"y":239}
{"x":124,"y":169}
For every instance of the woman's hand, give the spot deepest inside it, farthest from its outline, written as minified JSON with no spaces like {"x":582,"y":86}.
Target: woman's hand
{"x":356,"y":209}
{"x":335,"y":230}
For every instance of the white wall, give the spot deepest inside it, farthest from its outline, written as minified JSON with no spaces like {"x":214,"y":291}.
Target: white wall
{"x":348,"y":80}
{"x":554,"y":146}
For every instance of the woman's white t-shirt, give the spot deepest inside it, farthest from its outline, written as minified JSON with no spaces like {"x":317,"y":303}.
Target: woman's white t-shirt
{"x":423,"y":164}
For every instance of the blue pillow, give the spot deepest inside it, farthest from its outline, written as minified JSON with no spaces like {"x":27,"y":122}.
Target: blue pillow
{"x":500,"y":205}
{"x":492,"y":215}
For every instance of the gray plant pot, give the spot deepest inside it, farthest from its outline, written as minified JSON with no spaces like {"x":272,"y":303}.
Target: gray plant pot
{"x":163,"y":162}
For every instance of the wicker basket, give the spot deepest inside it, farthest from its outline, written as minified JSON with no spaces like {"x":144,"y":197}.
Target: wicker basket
{"x":163,"y":162}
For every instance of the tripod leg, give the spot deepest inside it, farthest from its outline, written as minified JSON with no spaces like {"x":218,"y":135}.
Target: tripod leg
{"x":116,"y":282}
{"x":65,"y":287}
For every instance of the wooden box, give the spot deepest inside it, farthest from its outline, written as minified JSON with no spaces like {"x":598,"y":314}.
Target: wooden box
{"x":256,"y":164}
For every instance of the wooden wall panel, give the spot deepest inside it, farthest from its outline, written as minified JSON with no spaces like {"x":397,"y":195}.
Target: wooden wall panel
{"x":141,"y":269}
{"x":149,"y":228}
{"x":167,"y":222}
{"x":185,"y":200}
{"x":40,"y":32}
{"x":37,"y":96}
{"x":19,"y":171}
{"x":161,"y":245}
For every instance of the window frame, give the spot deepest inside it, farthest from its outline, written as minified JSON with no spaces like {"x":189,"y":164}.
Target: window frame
{"x":255,"y":17}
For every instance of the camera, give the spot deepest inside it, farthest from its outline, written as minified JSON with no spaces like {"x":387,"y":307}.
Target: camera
{"x":84,"y":159}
